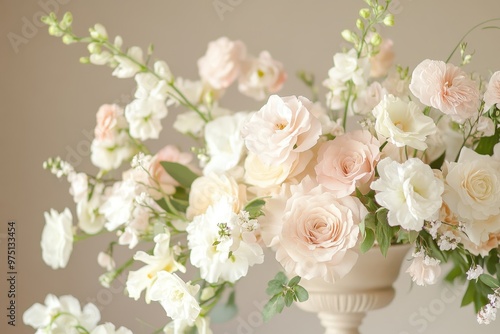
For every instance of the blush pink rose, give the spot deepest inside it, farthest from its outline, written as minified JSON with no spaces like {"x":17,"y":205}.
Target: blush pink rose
{"x":261,"y":76}
{"x":221,"y":64}
{"x":447,"y":88}
{"x":348,"y":162}
{"x":109,"y":118}
{"x":492,"y":94}
{"x":283,"y":127}
{"x":160,"y":178}
{"x":319,"y":232}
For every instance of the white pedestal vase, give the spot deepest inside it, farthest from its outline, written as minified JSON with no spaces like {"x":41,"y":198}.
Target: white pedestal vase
{"x":341,"y":306}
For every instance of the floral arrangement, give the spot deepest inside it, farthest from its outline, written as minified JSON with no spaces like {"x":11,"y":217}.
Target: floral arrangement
{"x":396,"y":156}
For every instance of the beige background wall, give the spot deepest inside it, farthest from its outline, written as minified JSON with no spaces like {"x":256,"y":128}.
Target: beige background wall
{"x":48,"y":103}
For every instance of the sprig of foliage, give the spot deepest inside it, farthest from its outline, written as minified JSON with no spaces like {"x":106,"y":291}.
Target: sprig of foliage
{"x":284,"y":293}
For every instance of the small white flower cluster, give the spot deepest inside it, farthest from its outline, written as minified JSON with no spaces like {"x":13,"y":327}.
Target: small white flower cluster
{"x":58,"y":167}
{"x":474,"y":272}
{"x":488,"y":313}
{"x":65,"y":315}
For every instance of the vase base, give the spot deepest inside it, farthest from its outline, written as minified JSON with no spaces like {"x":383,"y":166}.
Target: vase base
{"x":341,"y":323}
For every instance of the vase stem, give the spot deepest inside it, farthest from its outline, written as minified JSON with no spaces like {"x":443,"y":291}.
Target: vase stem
{"x":341,"y":323}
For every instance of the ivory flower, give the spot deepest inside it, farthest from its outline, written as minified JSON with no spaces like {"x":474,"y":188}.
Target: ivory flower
{"x":410,"y":192}
{"x":424,"y":270}
{"x":57,"y":238}
{"x":447,"y":88}
{"x":176,"y":297}
{"x":283,"y":127}
{"x":128,"y":66}
{"x":402,"y":123}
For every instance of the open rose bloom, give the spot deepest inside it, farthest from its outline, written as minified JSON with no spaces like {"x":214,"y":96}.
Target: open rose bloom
{"x":419,"y":164}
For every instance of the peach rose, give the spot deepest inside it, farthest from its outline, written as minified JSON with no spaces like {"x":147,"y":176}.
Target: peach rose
{"x":447,"y":88}
{"x":348,"y":162}
{"x":319,"y":233}
{"x":220,"y":65}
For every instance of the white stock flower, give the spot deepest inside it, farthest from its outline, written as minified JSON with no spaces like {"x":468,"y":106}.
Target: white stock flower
{"x":189,"y":122}
{"x":176,"y":297}
{"x":117,"y":208}
{"x":129,"y":65}
{"x":424,"y":270}
{"x":109,"y":154}
{"x":283,"y":127}
{"x":109,"y":328}
{"x":409,"y":190}
{"x":474,"y":272}
{"x":473,"y":193}
{"x":161,"y":260}
{"x":144,"y":117}
{"x":403,"y":123}
{"x":224,"y":142}
{"x":79,"y":186}
{"x":347,"y":66}
{"x":57,"y":238}
{"x":63,"y":314}
{"x":90,"y":220}
{"x":220,"y":246}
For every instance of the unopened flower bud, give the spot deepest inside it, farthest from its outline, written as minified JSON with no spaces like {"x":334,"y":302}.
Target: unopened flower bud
{"x":389,"y":20}
{"x":376,"y":39}
{"x":55,"y":31}
{"x":94,"y":48}
{"x":84,"y":60}
{"x":98,"y":32}
{"x":66,"y":21}
{"x":68,"y":39}
{"x":364,"y":13}
{"x":348,"y":36}
{"x":359,"y":24}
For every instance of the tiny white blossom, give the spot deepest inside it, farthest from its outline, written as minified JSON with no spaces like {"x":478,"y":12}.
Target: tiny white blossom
{"x":474,"y":272}
{"x":448,"y":241}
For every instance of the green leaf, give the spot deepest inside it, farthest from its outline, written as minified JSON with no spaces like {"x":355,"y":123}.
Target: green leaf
{"x":281,"y":278}
{"x":469,"y":294}
{"x":254,"y":208}
{"x":289,"y":296}
{"x":301,"y":293}
{"x":274,"y":287}
{"x":454,"y":273}
{"x":489,"y":281}
{"x":273,"y":307}
{"x":383,"y":232}
{"x":368,"y":241}
{"x":294,"y":281}
{"x":180,"y":173}
{"x":486,"y":144}
{"x":438,"y":163}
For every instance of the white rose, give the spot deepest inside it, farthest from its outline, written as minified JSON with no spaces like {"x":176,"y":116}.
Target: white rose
{"x":409,"y":190}
{"x":206,"y":190}
{"x":473,"y":186}
{"x":424,"y":270}
{"x":224,"y":142}
{"x":281,"y":128}
{"x":176,"y":297}
{"x":402,"y":123}
{"x":57,"y":238}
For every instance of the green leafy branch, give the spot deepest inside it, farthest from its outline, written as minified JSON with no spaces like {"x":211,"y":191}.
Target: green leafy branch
{"x":284,"y":293}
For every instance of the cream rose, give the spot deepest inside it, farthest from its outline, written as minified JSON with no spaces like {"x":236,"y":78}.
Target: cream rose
{"x":319,"y":232}
{"x":221,"y":64}
{"x":402,"y":123}
{"x":473,"y":186}
{"x":207,"y":190}
{"x":348,"y":162}
{"x":282,"y":128}
{"x":424,"y":270}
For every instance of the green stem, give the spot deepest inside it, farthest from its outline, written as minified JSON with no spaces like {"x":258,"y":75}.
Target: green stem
{"x":466,"y":34}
